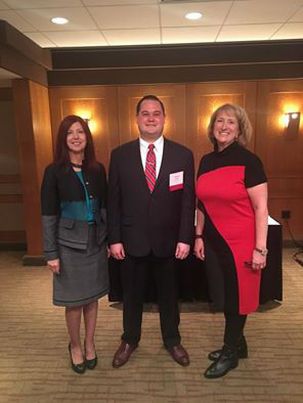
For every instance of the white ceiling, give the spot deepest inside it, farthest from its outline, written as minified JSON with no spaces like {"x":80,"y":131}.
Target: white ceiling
{"x":142,"y":22}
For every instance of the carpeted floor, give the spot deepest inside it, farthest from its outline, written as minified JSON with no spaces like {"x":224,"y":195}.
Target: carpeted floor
{"x":34,"y":365}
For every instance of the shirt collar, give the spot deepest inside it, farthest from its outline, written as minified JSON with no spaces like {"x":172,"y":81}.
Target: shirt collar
{"x":158,"y":143}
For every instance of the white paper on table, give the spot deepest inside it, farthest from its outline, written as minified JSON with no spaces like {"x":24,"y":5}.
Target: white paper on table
{"x":271,"y":221}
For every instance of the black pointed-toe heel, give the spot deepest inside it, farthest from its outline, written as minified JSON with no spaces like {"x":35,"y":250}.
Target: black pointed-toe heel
{"x":78,"y":368}
{"x":90,"y":364}
{"x":227,"y":361}
{"x":242,"y":350}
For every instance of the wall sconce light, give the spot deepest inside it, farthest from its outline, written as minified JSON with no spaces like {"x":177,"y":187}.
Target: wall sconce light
{"x":291,"y":123}
{"x":86,"y":118}
{"x":86,"y":115}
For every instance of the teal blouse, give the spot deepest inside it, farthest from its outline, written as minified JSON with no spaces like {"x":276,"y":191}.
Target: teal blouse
{"x":80,"y":210}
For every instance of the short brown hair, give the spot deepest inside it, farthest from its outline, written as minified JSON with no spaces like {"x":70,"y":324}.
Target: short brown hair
{"x":149,"y":98}
{"x":245,"y":128}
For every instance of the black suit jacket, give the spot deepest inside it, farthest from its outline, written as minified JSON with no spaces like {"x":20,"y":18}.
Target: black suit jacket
{"x":60,"y":184}
{"x":150,"y":222}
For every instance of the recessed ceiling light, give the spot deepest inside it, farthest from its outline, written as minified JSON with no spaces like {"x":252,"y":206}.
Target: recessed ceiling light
{"x":193,"y":16}
{"x":59,"y":20}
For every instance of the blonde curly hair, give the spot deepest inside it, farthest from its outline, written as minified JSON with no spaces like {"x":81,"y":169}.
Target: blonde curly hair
{"x":245,"y":128}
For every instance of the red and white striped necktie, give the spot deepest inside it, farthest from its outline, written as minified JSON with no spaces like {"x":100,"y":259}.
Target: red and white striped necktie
{"x":150,"y":167}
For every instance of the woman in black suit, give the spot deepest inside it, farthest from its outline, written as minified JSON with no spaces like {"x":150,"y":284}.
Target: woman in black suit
{"x":73,"y":200}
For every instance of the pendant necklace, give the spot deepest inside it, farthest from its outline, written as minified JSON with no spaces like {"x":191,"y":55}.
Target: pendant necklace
{"x":76,"y":165}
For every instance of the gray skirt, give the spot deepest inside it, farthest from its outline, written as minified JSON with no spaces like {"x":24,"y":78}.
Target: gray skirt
{"x":83,"y":276}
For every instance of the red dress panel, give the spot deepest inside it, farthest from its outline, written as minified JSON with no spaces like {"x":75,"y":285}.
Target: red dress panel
{"x":229,"y":229}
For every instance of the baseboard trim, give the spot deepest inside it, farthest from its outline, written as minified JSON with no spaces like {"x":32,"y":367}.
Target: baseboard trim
{"x":37,"y":260}
{"x":12,"y":246}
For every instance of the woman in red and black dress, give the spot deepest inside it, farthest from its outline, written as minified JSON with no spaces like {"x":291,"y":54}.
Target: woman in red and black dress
{"x":231,"y":229}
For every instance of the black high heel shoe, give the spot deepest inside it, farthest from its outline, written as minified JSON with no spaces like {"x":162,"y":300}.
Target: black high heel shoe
{"x":227,"y":361}
{"x":90,"y":364}
{"x":79,"y":368}
{"x":242,"y":350}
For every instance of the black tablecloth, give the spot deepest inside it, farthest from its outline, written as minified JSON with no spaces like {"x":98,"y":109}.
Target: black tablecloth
{"x":192,"y":278}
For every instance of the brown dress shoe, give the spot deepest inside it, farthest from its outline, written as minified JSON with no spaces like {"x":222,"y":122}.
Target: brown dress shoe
{"x":179,"y":354}
{"x":123,"y":353}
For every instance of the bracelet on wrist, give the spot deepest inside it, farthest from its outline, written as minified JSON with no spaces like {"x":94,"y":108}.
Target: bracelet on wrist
{"x":197,"y":236}
{"x":262,"y":251}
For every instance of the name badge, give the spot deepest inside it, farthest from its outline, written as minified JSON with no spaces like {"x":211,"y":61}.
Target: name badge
{"x":176,"y":181}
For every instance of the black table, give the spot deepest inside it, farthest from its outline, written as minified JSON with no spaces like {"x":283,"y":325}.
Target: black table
{"x":192,"y":279}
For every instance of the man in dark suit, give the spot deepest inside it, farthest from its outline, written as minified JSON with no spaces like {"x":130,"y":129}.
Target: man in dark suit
{"x":151,"y":223}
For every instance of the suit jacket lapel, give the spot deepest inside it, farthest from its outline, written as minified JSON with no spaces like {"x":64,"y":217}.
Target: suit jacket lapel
{"x":166,"y":163}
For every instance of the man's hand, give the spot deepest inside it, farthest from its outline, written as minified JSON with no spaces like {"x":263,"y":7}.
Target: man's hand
{"x":117,"y":251}
{"x":182,"y":250}
{"x":54,"y":265}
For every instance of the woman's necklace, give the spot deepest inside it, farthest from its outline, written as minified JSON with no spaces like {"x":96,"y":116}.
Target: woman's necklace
{"x":76,"y":165}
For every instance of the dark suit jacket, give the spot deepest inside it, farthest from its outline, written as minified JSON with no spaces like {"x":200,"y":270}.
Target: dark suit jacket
{"x":146,"y":222}
{"x":60,"y":184}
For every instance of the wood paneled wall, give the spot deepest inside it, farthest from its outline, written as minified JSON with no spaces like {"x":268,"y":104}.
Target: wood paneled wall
{"x":98,"y":103}
{"x":203,"y":99}
{"x":173,"y":97}
{"x":12,"y":234}
{"x":281,"y":154}
{"x":32,"y":118}
{"x":188,"y":109}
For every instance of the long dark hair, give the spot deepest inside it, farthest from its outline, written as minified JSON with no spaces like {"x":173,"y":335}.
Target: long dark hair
{"x":61,"y":152}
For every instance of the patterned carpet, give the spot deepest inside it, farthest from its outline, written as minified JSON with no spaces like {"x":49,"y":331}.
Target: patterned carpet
{"x":34,"y":364}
